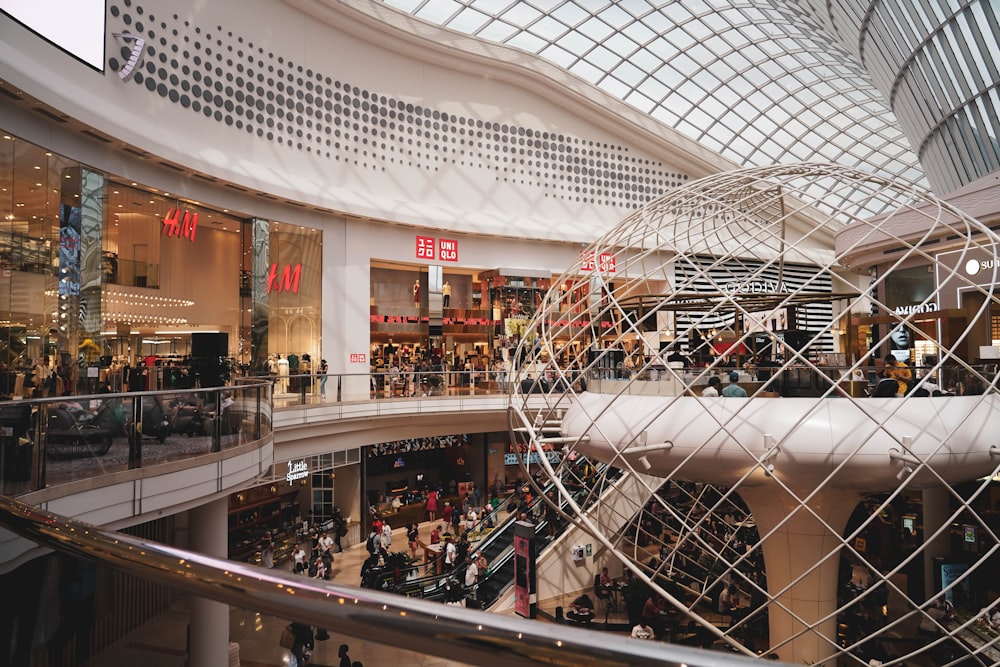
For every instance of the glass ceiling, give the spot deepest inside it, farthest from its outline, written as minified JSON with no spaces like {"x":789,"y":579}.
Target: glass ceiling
{"x":735,"y":75}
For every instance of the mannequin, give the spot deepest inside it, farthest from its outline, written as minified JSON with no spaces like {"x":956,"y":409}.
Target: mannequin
{"x":446,"y":293}
{"x":416,"y":292}
{"x":282,"y":375}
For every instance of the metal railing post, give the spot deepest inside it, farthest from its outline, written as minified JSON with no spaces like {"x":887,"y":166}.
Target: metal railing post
{"x":135,"y":434}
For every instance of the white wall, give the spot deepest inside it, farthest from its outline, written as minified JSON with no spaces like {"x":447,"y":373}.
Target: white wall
{"x":413,"y":178}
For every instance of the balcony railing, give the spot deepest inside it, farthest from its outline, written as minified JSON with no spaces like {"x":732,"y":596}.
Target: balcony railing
{"x":51,"y":441}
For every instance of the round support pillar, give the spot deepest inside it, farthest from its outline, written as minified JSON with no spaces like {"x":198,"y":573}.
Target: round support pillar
{"x":796,"y":550}
{"x":935,"y":514}
{"x":208,"y":634}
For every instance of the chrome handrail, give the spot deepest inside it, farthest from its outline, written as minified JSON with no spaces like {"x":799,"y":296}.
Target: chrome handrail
{"x":454,"y":633}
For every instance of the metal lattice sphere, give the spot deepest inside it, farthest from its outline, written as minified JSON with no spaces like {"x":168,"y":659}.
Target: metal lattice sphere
{"x":816,"y":510}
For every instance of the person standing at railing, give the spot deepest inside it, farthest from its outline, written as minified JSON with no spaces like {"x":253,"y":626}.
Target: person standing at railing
{"x":324,"y":368}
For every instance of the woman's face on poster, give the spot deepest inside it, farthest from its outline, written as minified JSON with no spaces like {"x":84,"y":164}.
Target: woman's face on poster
{"x":900,"y":338}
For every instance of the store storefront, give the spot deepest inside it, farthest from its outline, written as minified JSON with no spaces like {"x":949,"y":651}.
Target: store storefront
{"x":320,"y":491}
{"x":906,"y":294}
{"x":961,"y":303}
{"x":272,"y":509}
{"x":400,"y":474}
{"x":109,"y":284}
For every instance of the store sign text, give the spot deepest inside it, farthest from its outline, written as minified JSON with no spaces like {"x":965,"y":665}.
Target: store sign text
{"x":358,"y":358}
{"x":445,"y":250}
{"x":288,"y":281}
{"x":175,"y":225}
{"x":448,"y":250}
{"x":606,"y":262}
{"x":974,"y":266}
{"x":917,"y":308}
{"x":297,"y":470}
{"x":757,"y":287}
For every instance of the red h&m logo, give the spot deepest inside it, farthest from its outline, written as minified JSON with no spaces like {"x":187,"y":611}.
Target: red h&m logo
{"x":448,"y":250}
{"x":288,"y":281}
{"x":425,"y":247}
{"x":174,"y":225}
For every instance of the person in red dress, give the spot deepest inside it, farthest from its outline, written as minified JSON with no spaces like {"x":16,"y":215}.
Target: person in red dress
{"x":432,"y":505}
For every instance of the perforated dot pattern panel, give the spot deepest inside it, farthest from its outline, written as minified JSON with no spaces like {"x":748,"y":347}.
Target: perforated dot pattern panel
{"x":228,"y":78}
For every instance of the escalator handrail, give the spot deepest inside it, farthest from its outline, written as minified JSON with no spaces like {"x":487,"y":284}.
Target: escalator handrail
{"x":453,"y":633}
{"x":508,"y":551}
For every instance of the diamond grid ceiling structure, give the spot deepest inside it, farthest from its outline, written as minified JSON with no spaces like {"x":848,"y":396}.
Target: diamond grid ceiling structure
{"x":738,"y":76}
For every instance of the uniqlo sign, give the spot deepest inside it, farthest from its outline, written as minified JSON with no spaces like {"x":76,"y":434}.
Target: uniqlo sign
{"x":606,"y":262}
{"x":425,"y":247}
{"x":448,"y":250}
{"x":445,"y":250}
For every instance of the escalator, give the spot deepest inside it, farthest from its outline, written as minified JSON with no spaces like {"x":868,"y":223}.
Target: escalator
{"x":498,"y":548}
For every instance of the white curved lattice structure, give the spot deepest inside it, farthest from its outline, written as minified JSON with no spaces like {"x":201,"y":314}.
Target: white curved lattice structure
{"x":815,"y":478}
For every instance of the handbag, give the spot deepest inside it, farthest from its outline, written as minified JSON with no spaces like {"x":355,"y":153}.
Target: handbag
{"x":287,"y":638}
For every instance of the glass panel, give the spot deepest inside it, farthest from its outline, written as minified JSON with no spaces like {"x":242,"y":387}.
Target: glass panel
{"x":293,"y":291}
{"x":83,"y":438}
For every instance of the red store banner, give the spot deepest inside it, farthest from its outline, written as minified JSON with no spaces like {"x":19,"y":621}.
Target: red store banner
{"x":430,"y":248}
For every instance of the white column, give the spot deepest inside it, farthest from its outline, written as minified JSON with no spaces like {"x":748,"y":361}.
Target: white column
{"x":209,"y":630}
{"x":350,"y":302}
{"x":935,"y":513}
{"x":791,"y":551}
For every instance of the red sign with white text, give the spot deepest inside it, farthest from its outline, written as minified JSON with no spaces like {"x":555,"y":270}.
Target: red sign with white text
{"x":606,"y":262}
{"x":359,"y":358}
{"x":447,"y":250}
{"x":425,"y":247}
